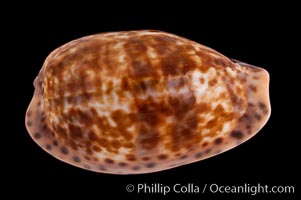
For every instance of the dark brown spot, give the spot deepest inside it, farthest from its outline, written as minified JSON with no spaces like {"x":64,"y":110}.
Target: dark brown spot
{"x":75,"y":131}
{"x":198,"y":155}
{"x":43,"y":118}
{"x":76,"y":159}
{"x":128,"y":145}
{"x":207,"y":151}
{"x":257,"y":116}
{"x":218,"y":141}
{"x":92,"y":136}
{"x":150,"y":165}
{"x":212,"y":82}
{"x":183,"y":157}
{"x":103,"y":168}
{"x":29,"y":123}
{"x":205,"y":144}
{"x":130,"y":157}
{"x":38,"y":103}
{"x":251,"y":104}
{"x":124,"y":84}
{"x":245,"y":118}
{"x":103,"y":142}
{"x":73,"y":145}
{"x":253,"y":88}
{"x":60,"y":131}
{"x":37,"y":136}
{"x":29,"y":113}
{"x":84,"y":117}
{"x":263,"y":107}
{"x":64,"y":150}
{"x":96,"y":148}
{"x":45,"y":127}
{"x":146,"y":158}
{"x":187,"y":64}
{"x":178,"y":154}
{"x":51,"y":133}
{"x":122,"y":164}
{"x":48,"y":147}
{"x":54,"y":143}
{"x":220,"y":62}
{"x":87,"y":158}
{"x":116,"y":144}
{"x":109,"y":87}
{"x":237,"y":134}
{"x":109,"y":161}
{"x":136,"y":168}
{"x":140,"y":87}
{"x":89,"y":150}
{"x":169,"y":67}
{"x":212,"y":123}
{"x":162,"y":156}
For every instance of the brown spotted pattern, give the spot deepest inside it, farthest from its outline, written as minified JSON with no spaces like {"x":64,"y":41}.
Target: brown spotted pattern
{"x":143,"y":101}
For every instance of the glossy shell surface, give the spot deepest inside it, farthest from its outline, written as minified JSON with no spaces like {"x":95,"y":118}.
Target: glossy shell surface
{"x":143,"y":101}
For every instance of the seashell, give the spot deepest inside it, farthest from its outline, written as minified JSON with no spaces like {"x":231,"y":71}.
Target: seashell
{"x":143,"y":101}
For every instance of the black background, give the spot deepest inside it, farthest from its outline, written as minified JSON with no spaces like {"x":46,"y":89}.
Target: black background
{"x":256,"y":34}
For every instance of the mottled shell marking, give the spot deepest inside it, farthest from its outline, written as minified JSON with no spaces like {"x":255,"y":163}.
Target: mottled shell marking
{"x":143,"y":101}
